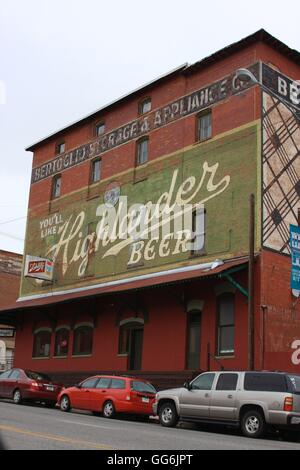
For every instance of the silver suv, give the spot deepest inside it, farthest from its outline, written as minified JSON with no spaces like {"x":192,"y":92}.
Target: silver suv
{"x":252,"y":401}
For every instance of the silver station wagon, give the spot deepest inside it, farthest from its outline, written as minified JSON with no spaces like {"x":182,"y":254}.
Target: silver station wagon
{"x":252,"y":401}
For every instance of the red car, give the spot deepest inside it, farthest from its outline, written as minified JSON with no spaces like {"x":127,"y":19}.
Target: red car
{"x":110,"y":395}
{"x":21,"y":385}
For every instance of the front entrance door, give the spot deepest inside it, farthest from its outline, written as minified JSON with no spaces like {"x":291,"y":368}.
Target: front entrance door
{"x":135,"y":349}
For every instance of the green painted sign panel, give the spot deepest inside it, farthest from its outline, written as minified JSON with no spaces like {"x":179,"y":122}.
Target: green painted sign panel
{"x":134,"y":228}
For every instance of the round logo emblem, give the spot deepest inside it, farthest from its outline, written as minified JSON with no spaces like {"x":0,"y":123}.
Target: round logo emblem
{"x":112,"y":195}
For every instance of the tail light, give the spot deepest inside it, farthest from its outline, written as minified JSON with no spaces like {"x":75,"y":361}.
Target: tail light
{"x":288,"y":404}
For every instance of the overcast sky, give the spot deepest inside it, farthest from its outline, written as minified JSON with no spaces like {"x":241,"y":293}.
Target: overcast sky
{"x":62,"y":59}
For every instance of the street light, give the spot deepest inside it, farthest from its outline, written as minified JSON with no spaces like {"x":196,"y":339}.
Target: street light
{"x":247,"y":77}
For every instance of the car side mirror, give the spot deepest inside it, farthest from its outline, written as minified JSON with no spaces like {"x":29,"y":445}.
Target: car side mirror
{"x":77,"y":385}
{"x":187,"y":385}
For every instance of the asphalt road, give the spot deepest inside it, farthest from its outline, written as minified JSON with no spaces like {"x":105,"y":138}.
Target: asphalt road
{"x":36,"y":427}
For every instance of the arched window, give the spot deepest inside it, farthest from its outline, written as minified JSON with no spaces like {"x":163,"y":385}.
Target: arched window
{"x":62,"y":342}
{"x":83,"y":340}
{"x":41,"y":343}
{"x":225,"y":324}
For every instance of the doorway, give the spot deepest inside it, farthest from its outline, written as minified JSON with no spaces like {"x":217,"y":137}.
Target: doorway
{"x":135,"y":349}
{"x":131,"y":343}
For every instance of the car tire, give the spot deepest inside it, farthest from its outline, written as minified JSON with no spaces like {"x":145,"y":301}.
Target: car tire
{"x":65,"y":404}
{"x":168,"y":415}
{"x":253,"y":424}
{"x":17,"y":397}
{"x":108,"y":409}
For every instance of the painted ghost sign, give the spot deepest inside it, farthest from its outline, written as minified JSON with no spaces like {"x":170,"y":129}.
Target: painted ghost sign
{"x":150,"y":225}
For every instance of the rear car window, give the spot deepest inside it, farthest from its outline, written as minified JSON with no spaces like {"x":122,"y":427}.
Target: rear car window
{"x":37,"y":376}
{"x":227,"y":382}
{"x":117,"y":384}
{"x":103,"y":382}
{"x":142,"y":387}
{"x":15,"y":374}
{"x":294,"y":383}
{"x":265,"y":382}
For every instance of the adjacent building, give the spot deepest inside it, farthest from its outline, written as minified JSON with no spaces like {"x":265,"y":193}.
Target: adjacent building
{"x":10,"y":275}
{"x":142,"y":212}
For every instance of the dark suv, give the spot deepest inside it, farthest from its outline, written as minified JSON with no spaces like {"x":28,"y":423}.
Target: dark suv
{"x":249,"y":400}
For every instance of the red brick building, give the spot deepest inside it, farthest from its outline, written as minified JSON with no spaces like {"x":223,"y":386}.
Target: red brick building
{"x":10,"y":275}
{"x":152,"y":303}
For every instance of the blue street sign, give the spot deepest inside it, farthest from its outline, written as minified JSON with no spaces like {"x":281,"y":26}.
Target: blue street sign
{"x":295,"y":254}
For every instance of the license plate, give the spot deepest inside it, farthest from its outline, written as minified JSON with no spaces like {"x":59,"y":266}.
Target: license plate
{"x":50,"y":388}
{"x":145,"y":400}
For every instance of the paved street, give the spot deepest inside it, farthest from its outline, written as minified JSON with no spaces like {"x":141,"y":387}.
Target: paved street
{"x":34,"y":427}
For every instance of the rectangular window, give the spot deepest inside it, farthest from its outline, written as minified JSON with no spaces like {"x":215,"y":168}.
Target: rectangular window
{"x":56,"y":186}
{"x":204,"y":130}
{"x":142,"y":151}
{"x":99,"y":129}
{"x":193,"y":340}
{"x":225,"y":325}
{"x":96,"y":171}
{"x":60,"y":148}
{"x":118,"y":384}
{"x":145,"y":106}
{"x":265,"y":382}
{"x":198,"y":228}
{"x":227,"y":382}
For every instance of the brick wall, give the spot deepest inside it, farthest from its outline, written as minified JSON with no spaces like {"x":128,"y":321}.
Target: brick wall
{"x":10,"y":272}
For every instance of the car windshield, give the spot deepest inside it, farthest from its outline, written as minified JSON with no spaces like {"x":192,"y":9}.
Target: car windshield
{"x":37,"y":375}
{"x":142,"y":387}
{"x":295,"y":382}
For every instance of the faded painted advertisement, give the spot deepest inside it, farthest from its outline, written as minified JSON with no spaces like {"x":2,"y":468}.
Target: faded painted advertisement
{"x":192,"y":207}
{"x":281,"y":168}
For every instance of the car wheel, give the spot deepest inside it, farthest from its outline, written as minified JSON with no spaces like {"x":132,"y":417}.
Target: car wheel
{"x":168,"y":415}
{"x":65,"y":404}
{"x":17,"y":397}
{"x":109,"y":410}
{"x":253,"y":424}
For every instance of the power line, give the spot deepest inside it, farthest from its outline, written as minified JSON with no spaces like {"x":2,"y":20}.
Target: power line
{"x":11,"y":236}
{"x":13,"y":220}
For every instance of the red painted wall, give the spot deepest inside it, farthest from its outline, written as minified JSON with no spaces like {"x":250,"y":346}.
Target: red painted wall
{"x":281,"y":314}
{"x":164,"y":343}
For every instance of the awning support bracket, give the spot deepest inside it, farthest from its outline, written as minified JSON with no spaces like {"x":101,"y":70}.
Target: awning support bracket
{"x":232,"y":281}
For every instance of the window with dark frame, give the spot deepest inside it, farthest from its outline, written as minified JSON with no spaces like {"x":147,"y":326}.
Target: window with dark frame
{"x":96,"y":170}
{"x":60,"y":148}
{"x":56,"y":187}
{"x":204,"y":126}
{"x":61,"y":342}
{"x":83,"y":341}
{"x":193,"y":340}
{"x":142,"y":151}
{"x":100,"y":128}
{"x":41,"y":344}
{"x":225,"y":324}
{"x":227,"y":382}
{"x":145,"y":106}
